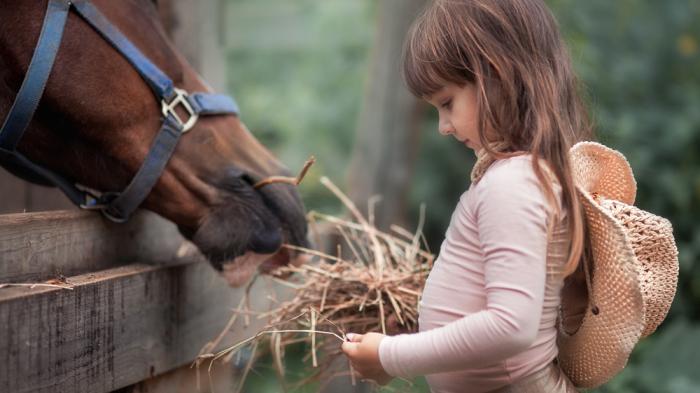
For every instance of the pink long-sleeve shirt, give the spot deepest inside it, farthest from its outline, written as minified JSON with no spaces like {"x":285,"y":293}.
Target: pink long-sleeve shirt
{"x":488,"y":310}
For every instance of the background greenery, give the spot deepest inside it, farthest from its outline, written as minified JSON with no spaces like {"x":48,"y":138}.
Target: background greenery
{"x":298,"y":70}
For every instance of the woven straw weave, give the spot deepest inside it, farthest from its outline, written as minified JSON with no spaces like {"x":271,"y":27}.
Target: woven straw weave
{"x":615,"y":182}
{"x":652,"y":241}
{"x":602,"y":343}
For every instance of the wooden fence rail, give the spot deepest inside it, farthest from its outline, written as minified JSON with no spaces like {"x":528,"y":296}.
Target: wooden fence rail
{"x":143,"y":302}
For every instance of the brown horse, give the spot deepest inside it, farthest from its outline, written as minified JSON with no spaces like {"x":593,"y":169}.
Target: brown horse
{"x":97,"y":118}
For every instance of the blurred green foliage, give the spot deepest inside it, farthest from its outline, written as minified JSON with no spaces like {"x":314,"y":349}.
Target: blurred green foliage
{"x":298,"y":70}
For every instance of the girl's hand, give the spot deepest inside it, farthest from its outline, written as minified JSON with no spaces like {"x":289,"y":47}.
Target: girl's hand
{"x":363,"y":352}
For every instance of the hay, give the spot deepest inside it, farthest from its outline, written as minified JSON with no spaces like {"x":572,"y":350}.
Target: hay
{"x":287,"y":179}
{"x":374,"y":286}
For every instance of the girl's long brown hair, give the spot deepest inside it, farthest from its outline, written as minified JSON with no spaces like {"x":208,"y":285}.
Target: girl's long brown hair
{"x":527,"y":93}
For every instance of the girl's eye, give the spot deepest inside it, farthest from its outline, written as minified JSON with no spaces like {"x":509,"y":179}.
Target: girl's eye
{"x":447,"y":104}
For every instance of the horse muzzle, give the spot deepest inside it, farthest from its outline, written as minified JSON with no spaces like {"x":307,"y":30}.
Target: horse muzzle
{"x":247,"y":229}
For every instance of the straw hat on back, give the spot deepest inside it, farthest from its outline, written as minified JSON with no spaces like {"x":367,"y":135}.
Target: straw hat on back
{"x":625,"y":289}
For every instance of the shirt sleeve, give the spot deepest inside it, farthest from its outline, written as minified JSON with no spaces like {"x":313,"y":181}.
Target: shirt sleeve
{"x":511,"y":215}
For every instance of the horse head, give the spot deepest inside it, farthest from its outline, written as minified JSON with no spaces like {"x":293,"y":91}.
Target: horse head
{"x":97,"y":118}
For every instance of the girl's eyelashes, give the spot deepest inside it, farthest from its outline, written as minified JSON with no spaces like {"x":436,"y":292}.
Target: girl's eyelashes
{"x":446,"y":104}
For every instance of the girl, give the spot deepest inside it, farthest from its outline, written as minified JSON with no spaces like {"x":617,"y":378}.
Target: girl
{"x":501,"y":80}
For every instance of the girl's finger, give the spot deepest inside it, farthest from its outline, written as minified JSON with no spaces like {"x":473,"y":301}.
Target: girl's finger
{"x":349,"y":348}
{"x":354,"y":338}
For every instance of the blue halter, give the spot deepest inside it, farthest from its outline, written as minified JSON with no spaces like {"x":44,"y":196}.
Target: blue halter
{"x":117,"y":206}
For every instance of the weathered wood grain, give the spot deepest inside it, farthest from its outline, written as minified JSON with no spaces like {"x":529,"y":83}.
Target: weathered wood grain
{"x":116,"y":327}
{"x":38,"y":246}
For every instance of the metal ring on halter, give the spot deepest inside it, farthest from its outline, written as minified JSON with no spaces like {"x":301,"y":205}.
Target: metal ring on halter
{"x":181,"y":98}
{"x":92,"y":198}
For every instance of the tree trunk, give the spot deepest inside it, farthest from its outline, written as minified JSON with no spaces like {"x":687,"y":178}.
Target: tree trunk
{"x":387,"y":135}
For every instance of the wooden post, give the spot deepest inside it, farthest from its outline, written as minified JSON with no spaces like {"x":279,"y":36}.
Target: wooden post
{"x":387,"y":137}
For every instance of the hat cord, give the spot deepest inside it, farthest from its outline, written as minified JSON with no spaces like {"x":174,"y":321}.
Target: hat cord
{"x":594,"y":308}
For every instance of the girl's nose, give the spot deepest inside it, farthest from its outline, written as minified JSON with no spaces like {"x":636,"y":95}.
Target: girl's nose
{"x":445,"y":128}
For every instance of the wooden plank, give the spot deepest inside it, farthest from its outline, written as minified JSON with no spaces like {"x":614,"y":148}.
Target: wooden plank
{"x":38,"y":246}
{"x":13,"y":195}
{"x":19,"y":196}
{"x":41,"y":199}
{"x":116,"y":327}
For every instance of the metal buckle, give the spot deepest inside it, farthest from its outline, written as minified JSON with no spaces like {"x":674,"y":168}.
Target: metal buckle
{"x":92,"y":197}
{"x":96,"y":200}
{"x":180,"y":99}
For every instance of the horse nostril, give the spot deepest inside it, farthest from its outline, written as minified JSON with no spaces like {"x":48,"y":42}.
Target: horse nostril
{"x":266,"y":241}
{"x":248,"y":179}
{"x":233,"y":174}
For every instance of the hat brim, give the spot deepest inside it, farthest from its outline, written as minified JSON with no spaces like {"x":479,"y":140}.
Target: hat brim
{"x":604,"y":171}
{"x":600,"y":347}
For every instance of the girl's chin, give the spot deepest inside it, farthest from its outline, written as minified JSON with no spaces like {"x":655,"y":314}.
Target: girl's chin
{"x":472,"y":145}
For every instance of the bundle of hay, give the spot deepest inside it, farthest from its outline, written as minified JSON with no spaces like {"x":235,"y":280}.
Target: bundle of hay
{"x":372,"y":284}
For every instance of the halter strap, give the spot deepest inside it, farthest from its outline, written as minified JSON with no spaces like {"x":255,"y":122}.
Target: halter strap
{"x":117,"y":206}
{"x":34,"y":82}
{"x":161,"y":85}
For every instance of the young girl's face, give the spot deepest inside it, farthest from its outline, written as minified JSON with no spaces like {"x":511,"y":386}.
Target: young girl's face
{"x":456,"y":107}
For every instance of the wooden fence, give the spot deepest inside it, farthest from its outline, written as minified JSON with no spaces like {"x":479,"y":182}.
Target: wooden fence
{"x":143,"y":304}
